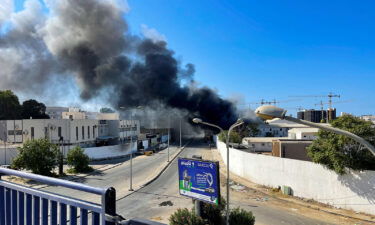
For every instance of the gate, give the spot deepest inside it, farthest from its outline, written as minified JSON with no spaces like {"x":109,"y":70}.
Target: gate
{"x":21,"y":205}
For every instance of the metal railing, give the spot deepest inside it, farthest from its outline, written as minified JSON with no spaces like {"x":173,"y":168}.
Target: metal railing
{"x":21,"y":205}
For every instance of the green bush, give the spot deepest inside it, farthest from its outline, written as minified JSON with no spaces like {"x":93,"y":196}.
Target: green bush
{"x":40,"y":156}
{"x":213,"y":214}
{"x":234,"y":137}
{"x":241,"y":217}
{"x":185,"y":217}
{"x":78,"y":160}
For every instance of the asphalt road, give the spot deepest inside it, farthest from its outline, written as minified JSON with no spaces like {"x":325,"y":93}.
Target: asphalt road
{"x":144,"y":203}
{"x":144,"y":168}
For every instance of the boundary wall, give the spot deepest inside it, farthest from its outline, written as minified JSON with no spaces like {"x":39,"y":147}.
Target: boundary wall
{"x":353,"y":191}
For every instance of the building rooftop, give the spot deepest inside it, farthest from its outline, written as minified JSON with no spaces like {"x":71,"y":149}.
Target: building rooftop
{"x":262,"y":139}
{"x":304,"y":129}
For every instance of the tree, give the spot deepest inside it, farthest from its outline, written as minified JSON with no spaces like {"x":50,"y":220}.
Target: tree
{"x":234,"y":137}
{"x":338,"y":152}
{"x":248,"y":130}
{"x":106,"y":110}
{"x":40,"y":156}
{"x":9,"y":106}
{"x":78,"y":160}
{"x":33,"y":109}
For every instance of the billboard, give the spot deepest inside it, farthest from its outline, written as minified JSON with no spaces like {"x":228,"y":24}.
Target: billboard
{"x":199,"y":179}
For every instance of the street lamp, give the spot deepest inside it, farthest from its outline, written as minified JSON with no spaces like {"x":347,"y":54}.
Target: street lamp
{"x":268,"y":112}
{"x":131,"y":145}
{"x":169,"y":134}
{"x":180,"y":133}
{"x":236,"y":124}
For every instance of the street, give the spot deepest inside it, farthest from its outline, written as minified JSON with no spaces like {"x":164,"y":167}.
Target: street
{"x":145,"y":203}
{"x":160,"y":198}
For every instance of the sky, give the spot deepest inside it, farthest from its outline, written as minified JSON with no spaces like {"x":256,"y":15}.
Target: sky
{"x":252,"y":50}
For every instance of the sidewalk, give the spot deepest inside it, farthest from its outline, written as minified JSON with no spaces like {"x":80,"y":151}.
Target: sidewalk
{"x":107,"y":165}
{"x":305,"y":207}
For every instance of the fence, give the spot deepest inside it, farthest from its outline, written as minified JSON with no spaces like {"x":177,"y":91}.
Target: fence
{"x":21,"y":205}
{"x":354,"y":191}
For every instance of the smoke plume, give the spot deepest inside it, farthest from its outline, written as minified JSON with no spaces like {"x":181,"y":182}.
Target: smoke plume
{"x":89,"y":41}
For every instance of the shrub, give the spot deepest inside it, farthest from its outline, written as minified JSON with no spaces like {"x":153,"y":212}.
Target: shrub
{"x":234,"y":137}
{"x":213,"y":214}
{"x":78,"y":160}
{"x":40,"y":156}
{"x":185,"y":217}
{"x":241,"y":217}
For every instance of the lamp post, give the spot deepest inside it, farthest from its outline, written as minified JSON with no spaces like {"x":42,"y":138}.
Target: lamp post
{"x":169,"y":133}
{"x":236,"y":124}
{"x":180,"y":135}
{"x":131,"y":146}
{"x":268,"y":112}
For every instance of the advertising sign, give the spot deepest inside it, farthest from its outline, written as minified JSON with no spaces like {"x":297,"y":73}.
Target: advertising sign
{"x":199,"y":179}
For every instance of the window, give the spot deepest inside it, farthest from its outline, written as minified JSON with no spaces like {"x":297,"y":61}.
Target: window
{"x":83,"y":133}
{"x":14,"y":132}
{"x":32,"y":133}
{"x":45,"y":132}
{"x":93,"y":131}
{"x":88,"y":132}
{"x":59,"y":131}
{"x":77,"y":133}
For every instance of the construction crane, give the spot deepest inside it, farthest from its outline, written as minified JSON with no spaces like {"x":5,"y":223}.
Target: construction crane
{"x":273,"y":102}
{"x":329,"y":96}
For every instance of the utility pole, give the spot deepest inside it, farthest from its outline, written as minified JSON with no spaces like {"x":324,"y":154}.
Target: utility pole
{"x":131,"y":151}
{"x":180,"y":134}
{"x":5,"y":147}
{"x":169,"y":133}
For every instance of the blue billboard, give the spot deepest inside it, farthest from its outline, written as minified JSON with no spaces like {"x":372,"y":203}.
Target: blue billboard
{"x":199,"y":179}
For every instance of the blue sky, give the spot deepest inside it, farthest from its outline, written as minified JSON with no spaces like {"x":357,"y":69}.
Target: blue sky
{"x":271,"y":49}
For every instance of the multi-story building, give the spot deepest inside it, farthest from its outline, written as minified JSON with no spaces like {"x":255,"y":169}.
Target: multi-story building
{"x":316,"y":116}
{"x":80,"y":132}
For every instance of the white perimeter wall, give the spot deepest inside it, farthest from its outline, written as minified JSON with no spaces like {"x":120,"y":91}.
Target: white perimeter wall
{"x":94,"y":153}
{"x":110,"y":151}
{"x":355,"y":191}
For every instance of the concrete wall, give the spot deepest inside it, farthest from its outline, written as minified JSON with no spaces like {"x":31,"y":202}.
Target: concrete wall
{"x":110,"y":151}
{"x":355,"y":191}
{"x":7,"y":155}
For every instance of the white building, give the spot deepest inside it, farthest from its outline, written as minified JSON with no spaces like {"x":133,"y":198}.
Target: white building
{"x":260,"y":144}
{"x":56,"y":112}
{"x":303,"y":133}
{"x":368,"y":118}
{"x":72,"y":132}
{"x":277,"y":128}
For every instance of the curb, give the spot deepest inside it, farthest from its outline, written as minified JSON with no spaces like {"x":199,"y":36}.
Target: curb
{"x":100,"y":169}
{"x":157,"y":175}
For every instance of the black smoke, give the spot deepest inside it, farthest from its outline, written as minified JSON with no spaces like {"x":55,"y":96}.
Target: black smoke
{"x":89,"y":40}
